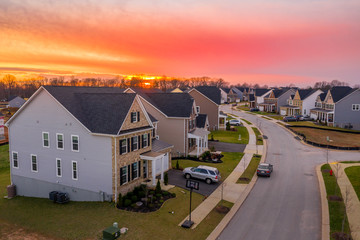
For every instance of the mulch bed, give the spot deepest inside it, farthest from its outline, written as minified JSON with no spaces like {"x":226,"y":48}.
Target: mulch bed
{"x":341,"y":236}
{"x":222,"y":209}
{"x":244,"y":179}
{"x":335,"y":198}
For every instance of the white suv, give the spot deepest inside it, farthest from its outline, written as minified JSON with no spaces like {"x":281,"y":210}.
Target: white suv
{"x":209,"y":174}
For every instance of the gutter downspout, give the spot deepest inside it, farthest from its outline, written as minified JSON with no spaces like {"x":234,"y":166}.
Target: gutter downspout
{"x":115,"y":171}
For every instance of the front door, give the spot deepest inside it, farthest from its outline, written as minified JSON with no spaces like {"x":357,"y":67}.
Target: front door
{"x":145,"y":168}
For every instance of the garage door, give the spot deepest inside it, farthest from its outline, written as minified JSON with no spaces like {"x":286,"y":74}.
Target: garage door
{"x":283,"y":112}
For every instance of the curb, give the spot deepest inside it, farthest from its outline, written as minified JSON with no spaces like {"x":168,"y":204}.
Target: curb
{"x":325,"y":218}
{"x":226,"y":220}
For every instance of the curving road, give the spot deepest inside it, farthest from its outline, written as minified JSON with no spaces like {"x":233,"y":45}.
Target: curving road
{"x":286,"y":205}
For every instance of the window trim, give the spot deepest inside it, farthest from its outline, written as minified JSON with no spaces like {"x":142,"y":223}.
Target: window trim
{"x":126,"y":147}
{"x":137,"y":143}
{"x":197,"y":111}
{"x":126,"y":175}
{"x":56,"y":167}
{"x":17,"y":159}
{"x":72,"y":143}
{"x":136,"y":117}
{"x":354,"y":106}
{"x":57,"y":141}
{"x":72,"y":170}
{"x":147,"y":140}
{"x":134,"y":171}
{"x":31,"y":163}
{"x":43,"y":139}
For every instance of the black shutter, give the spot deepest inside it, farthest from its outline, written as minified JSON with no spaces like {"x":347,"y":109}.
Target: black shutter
{"x":129,"y":173}
{"x":121,"y":180}
{"x":142,"y":141}
{"x":139,"y":140}
{"x":149,"y":139}
{"x":139,"y":168}
{"x":129,"y":145}
{"x":120,"y":147}
{"x":138,"y":116}
{"x":131,"y":117}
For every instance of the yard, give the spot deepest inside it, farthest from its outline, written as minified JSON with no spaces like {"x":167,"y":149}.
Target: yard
{"x":277,"y":117}
{"x":231,"y":136}
{"x":259,"y":139}
{"x":341,"y":139}
{"x":336,"y":208}
{"x":314,"y":124}
{"x":42,"y":219}
{"x":353,"y":174}
{"x":230,"y":161}
{"x":243,"y":119}
{"x":249,"y":172}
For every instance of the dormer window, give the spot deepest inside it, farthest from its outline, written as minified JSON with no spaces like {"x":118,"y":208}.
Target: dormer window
{"x":135,"y":117}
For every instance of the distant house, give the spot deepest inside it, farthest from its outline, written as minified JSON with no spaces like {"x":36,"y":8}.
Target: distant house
{"x":16,"y":101}
{"x":301,"y":102}
{"x":260,"y":94}
{"x":275,"y":99}
{"x":224,"y":94}
{"x":252,"y":100}
{"x":339,"y":107}
{"x":208,"y":101}
{"x":176,"y":113}
{"x":238,"y":94}
{"x":92,"y":143}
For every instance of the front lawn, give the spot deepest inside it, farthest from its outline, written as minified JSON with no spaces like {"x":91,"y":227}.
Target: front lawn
{"x":353,"y":174}
{"x":249,"y":172}
{"x":259,"y":139}
{"x":336,"y":208}
{"x":243,"y":119}
{"x":340,"y":139}
{"x":230,"y":161}
{"x":313,"y":124}
{"x":231,"y":136}
{"x":42,"y":219}
{"x":277,"y":117}
{"x":243,"y":107}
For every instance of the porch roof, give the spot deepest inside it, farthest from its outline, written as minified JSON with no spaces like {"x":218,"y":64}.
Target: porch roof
{"x":267,"y":104}
{"x":198,"y":133}
{"x":151,"y":155}
{"x":321,"y":110}
{"x":289,"y":106}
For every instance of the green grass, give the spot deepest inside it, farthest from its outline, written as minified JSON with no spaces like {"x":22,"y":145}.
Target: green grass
{"x":264,"y":113}
{"x":277,"y":117}
{"x":312,"y":124}
{"x":336,"y":208}
{"x":266,"y":118}
{"x":229,"y":117}
{"x":250,"y":170}
{"x":353,"y":174}
{"x":230,"y":161}
{"x":231,"y":136}
{"x":86,"y":220}
{"x":4,"y":158}
{"x":244,"y":108}
{"x":243,"y":119}
{"x":350,"y":162}
{"x":259,"y":139}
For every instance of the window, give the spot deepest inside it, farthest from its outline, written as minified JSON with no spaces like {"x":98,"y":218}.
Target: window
{"x":60,"y":141}
{"x":123,"y":146}
{"x":123,"y":175}
{"x":46,"y":141}
{"x":135,"y":117}
{"x":74,"y":170}
{"x":145,"y":140}
{"x":58,"y":167}
{"x":356,"y":107}
{"x":134,"y":143}
{"x":34,"y":165}
{"x":134,"y":170}
{"x":75,"y":143}
{"x":197,"y":109}
{"x":15,"y":160}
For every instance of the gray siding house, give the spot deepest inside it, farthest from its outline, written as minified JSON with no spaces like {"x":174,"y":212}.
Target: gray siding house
{"x":16,"y":101}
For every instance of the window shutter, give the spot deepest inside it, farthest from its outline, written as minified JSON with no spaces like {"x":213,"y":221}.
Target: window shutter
{"x":139,"y":142}
{"x":131,"y":117}
{"x":129,"y":173}
{"x":120,"y":145}
{"x":138,"y":116}
{"x":142,"y":141}
{"x":149,"y":139}
{"x":129,"y":145}
{"x":139,"y":168}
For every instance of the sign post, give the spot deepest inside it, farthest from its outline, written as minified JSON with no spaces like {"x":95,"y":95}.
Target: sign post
{"x":192,"y":185}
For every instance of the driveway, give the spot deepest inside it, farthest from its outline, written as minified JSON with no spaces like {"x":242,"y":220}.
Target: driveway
{"x":227,"y":147}
{"x":176,"y":178}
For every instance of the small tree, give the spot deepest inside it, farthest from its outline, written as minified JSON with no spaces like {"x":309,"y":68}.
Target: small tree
{"x":166,"y":179}
{"x":158,"y":187}
{"x":177,"y":164}
{"x":228,"y":126}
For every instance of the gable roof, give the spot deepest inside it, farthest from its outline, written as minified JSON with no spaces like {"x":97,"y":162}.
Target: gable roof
{"x":322,"y":96}
{"x":13,"y":97}
{"x":152,"y":119}
{"x":340,"y":92}
{"x":260,"y":91}
{"x":304,"y":93}
{"x":101,"y":110}
{"x":226,"y":90}
{"x":201,"y":120}
{"x":211,"y":92}
{"x":278,"y":92}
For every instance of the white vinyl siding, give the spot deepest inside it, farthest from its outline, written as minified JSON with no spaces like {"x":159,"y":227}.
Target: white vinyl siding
{"x":60,"y":141}
{"x":15,"y":160}
{"x":75,"y":143}
{"x":46,"y":139}
{"x":74,"y":170}
{"x":34,"y":163}
{"x":58,"y":167}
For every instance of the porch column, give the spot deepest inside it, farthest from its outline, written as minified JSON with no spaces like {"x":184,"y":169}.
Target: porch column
{"x":206,"y":141}
{"x":197,"y":147}
{"x":153,"y":168}
{"x":201,"y":144}
{"x":162,"y":169}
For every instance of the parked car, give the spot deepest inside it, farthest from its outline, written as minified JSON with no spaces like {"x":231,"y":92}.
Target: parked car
{"x":234,"y":104}
{"x":209,"y":174}
{"x":289,"y":119}
{"x":254,"y":109}
{"x":307,"y":118}
{"x":264,"y":169}
{"x":299,"y":117}
{"x":235,"y":122}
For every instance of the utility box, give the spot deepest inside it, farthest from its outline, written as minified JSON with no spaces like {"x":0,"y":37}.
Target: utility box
{"x":111,"y":233}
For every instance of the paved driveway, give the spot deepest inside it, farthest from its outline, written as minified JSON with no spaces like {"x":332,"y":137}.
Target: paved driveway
{"x":176,"y":178}
{"x":227,"y":147}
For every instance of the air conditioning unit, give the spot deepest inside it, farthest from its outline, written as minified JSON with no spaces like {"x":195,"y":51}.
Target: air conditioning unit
{"x":157,"y":137}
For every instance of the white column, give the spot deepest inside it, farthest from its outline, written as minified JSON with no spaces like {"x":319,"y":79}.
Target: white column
{"x":201,"y":144}
{"x":197,"y":147}
{"x":153,"y":168}
{"x":206,"y":141}
{"x":162,"y":168}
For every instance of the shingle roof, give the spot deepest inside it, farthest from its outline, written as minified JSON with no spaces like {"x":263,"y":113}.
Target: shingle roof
{"x":279,"y":92}
{"x":212,"y":92}
{"x":201,"y":120}
{"x":101,"y":110}
{"x":158,"y":145}
{"x":152,"y":118}
{"x":172,"y":104}
{"x":304,"y":93}
{"x":225,"y":89}
{"x":12,"y":97}
{"x":322,"y":96}
{"x":339,"y":93}
{"x":261,"y":91}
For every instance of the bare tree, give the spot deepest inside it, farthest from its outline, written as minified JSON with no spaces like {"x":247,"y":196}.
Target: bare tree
{"x":9,"y":82}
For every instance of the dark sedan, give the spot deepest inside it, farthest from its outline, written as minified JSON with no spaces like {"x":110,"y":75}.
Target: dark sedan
{"x":290,"y":119}
{"x":264,"y":169}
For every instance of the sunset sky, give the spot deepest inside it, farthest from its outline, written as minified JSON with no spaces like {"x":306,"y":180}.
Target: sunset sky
{"x":259,"y":41}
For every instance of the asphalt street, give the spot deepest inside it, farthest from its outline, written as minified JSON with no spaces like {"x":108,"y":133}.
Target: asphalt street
{"x":286,"y":205}
{"x":227,"y":147}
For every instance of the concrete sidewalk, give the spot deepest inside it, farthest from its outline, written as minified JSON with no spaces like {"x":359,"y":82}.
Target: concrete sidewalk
{"x":353,"y":203}
{"x":232,"y":191}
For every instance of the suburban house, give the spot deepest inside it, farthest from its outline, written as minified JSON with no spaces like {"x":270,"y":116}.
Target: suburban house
{"x":176,"y":113}
{"x":260,"y":94}
{"x":224,"y":94}
{"x":246,"y":92}
{"x":208,"y":100}
{"x":251,"y":99}
{"x":339,"y":107}
{"x":16,"y":101}
{"x":275,"y":99}
{"x":301,"y":102}
{"x":2,"y":131}
{"x":238,"y":94}
{"x":90,"y":142}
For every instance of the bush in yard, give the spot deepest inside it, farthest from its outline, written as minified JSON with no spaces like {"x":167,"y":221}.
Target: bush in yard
{"x":165,"y":193}
{"x":158,"y":187}
{"x":212,"y":137}
{"x":152,"y":192}
{"x":127,"y":202}
{"x":120,"y":200}
{"x":158,"y":195}
{"x":129,"y":195}
{"x":151,"y":205}
{"x":166,"y":178}
{"x":140,"y":194}
{"x":173,"y":194}
{"x":177,"y":164}
{"x":161,"y":201}
{"x":134,"y":199}
{"x":227,"y":126}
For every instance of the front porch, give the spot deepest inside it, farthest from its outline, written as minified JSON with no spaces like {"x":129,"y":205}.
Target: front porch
{"x":198,"y":142}
{"x":322,"y":115}
{"x":290,"y":110}
{"x":222,"y":120}
{"x":267,"y":107}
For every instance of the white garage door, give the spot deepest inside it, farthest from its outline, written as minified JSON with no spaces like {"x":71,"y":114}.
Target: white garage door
{"x":283,"y":112}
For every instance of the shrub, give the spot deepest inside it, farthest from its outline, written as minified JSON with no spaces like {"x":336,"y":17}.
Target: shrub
{"x":127,"y":202}
{"x":120,"y":200}
{"x":140,"y":194}
{"x":173,"y":194}
{"x":136,"y":190}
{"x":158,"y":187}
{"x":134,"y":199}
{"x":227,"y":126}
{"x":166,"y":178}
{"x":158,"y":195}
{"x":151,"y":205}
{"x":212,"y":149}
{"x":161,"y":201}
{"x":212,"y":137}
{"x":134,"y":205}
{"x":177,"y":164}
{"x":165,"y":193}
{"x":129,"y":195}
{"x":152,"y":192}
